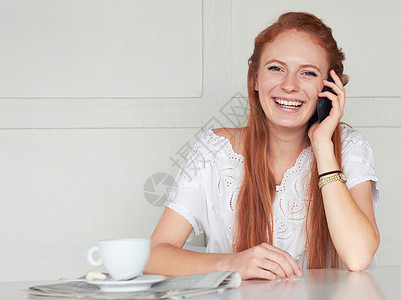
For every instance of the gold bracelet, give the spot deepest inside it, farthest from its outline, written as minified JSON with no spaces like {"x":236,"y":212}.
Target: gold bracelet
{"x":338,"y":177}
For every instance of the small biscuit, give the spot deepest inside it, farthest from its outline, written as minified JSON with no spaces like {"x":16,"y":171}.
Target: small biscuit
{"x":95,"y":275}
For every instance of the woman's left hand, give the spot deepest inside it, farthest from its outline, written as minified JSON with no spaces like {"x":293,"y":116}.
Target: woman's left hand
{"x":324,"y":131}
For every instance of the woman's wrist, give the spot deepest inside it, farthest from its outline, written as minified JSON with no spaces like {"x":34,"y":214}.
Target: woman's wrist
{"x":325,"y":157}
{"x":224,"y":262}
{"x":321,"y":143}
{"x":322,"y":147}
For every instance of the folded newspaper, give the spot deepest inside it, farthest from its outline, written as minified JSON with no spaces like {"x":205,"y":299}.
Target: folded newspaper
{"x":180,"y":287}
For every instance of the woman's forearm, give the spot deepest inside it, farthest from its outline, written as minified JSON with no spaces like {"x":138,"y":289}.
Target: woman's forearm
{"x":353,"y":233}
{"x":263,"y":261}
{"x":169,"y":260}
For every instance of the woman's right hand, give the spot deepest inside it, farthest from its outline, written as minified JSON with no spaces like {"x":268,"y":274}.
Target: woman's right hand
{"x":264,"y":261}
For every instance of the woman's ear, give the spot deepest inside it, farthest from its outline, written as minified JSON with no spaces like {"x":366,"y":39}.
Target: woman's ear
{"x":255,"y":83}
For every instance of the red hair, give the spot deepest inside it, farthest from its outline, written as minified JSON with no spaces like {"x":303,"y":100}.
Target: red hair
{"x":254,"y":216}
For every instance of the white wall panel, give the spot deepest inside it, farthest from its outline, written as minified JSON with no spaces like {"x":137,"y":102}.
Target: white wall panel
{"x":100,"y":48}
{"x":101,"y":113}
{"x":62,"y":190}
{"x":373,"y":112}
{"x":217,"y":59}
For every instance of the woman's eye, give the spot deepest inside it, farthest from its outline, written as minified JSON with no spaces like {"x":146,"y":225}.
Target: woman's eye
{"x":274,"y":68}
{"x":310,"y":73}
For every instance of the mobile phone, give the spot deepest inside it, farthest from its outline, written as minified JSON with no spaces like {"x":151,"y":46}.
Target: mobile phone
{"x":323,"y":103}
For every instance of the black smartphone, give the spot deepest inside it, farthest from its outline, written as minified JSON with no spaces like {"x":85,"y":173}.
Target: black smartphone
{"x":323,"y":104}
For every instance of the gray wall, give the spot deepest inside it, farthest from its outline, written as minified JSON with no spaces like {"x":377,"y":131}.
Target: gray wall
{"x":97,"y":96}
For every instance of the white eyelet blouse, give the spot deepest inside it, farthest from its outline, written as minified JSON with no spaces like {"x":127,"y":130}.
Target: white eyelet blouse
{"x":207,"y":185}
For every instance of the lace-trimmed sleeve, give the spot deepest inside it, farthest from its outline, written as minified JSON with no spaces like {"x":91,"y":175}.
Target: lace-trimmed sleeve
{"x":187,"y":196}
{"x":358,"y":161}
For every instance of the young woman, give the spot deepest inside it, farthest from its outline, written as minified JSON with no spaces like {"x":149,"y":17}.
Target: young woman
{"x":272,"y":197}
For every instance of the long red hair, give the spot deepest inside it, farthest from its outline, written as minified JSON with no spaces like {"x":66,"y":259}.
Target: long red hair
{"x":254,"y":214}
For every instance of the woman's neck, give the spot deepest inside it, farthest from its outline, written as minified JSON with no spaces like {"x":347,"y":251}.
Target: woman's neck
{"x":284,"y":147}
{"x":286,"y":143}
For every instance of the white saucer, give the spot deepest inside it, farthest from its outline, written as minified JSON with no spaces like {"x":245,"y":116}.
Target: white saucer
{"x":139,"y":283}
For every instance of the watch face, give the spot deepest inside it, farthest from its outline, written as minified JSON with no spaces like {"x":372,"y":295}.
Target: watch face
{"x":339,"y":176}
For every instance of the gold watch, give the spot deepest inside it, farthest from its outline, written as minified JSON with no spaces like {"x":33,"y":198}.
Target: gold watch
{"x":338,"y":177}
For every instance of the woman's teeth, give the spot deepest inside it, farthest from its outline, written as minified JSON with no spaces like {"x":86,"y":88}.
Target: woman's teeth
{"x":288,"y":103}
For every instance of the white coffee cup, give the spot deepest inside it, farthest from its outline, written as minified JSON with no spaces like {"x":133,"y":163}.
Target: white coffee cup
{"x":122,"y":258}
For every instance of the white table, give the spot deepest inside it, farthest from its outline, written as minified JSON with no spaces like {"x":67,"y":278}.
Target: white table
{"x":382,"y":282}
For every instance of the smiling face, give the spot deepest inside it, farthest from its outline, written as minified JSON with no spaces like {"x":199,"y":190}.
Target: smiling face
{"x":289,"y":78}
